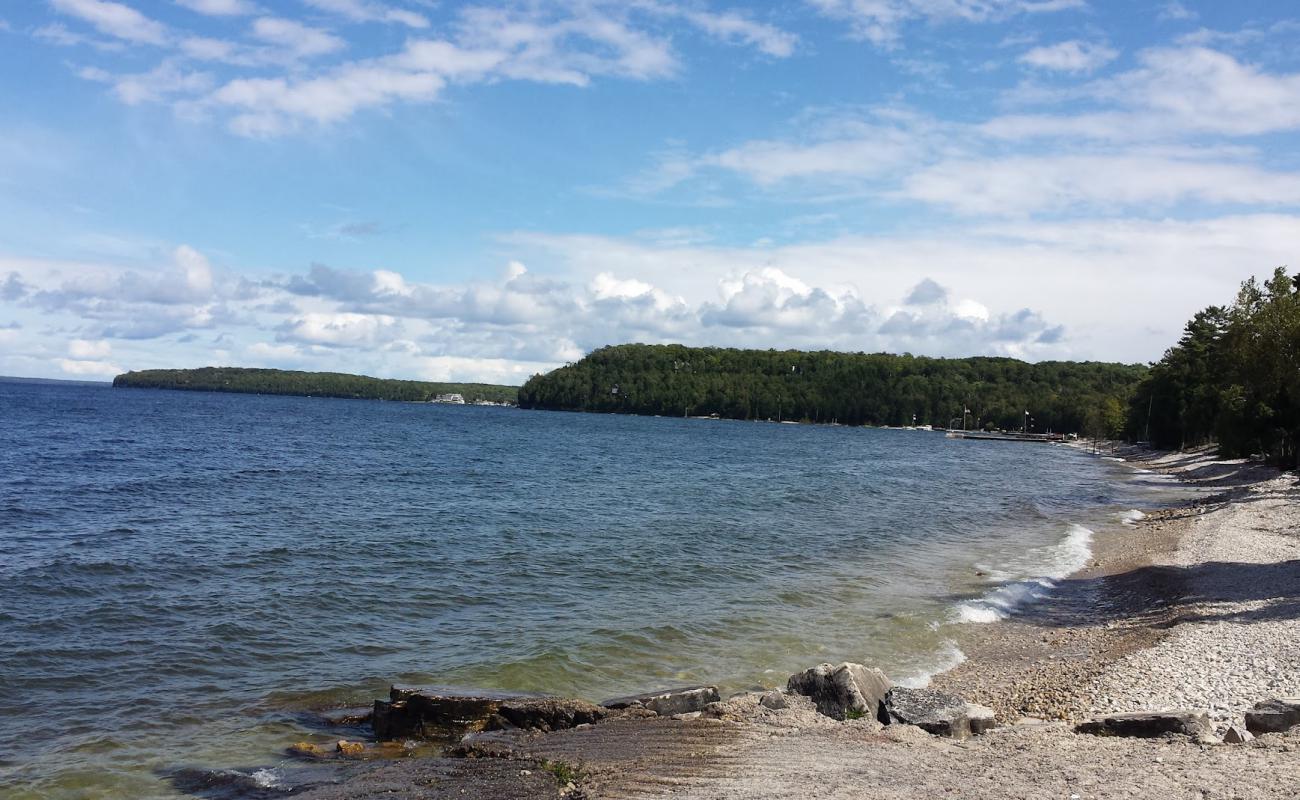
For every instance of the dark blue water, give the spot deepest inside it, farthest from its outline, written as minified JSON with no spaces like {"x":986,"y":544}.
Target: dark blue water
{"x":182,"y":574}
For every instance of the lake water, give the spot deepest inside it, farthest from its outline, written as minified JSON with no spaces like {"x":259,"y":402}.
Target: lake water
{"x":183,"y":575}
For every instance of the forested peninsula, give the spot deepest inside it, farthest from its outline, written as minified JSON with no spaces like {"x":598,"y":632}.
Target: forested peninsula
{"x":310,"y":384}
{"x":848,"y":388}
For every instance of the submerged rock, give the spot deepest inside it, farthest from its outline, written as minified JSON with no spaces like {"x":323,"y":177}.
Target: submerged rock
{"x":667,"y":702}
{"x":1149,"y":724}
{"x":848,"y":690}
{"x":1274,"y":716}
{"x":937,"y":712}
{"x":419,"y":714}
{"x":347,"y":748}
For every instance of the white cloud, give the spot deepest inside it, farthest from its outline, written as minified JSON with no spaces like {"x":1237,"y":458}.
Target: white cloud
{"x":1071,"y":56}
{"x":84,"y":368}
{"x":1174,"y":10}
{"x":1041,"y":184}
{"x":881,"y":21}
{"x":85,"y":349}
{"x":731,"y":26}
{"x":164,"y":81}
{"x":302,"y":41}
{"x":220,"y":8}
{"x":271,"y":106}
{"x":364,"y":11}
{"x":1174,"y":92}
{"x":114,"y":19}
{"x":339,"y":328}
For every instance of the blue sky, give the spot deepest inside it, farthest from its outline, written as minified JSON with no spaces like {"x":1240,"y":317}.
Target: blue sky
{"x":463,"y":191}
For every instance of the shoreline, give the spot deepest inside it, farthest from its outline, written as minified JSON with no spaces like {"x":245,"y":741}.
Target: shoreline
{"x":1140,"y":627}
{"x":1094,"y":647}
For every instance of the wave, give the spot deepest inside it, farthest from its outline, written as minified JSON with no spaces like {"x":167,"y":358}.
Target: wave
{"x":948,"y":657}
{"x":1067,"y":557}
{"x":1131,"y":517}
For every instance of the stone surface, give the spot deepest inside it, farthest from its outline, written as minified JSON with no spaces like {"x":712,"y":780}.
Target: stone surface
{"x":843,"y":691}
{"x":1149,"y":724}
{"x":346,"y":717}
{"x":981,"y":718}
{"x":419,"y":714}
{"x":667,"y":702}
{"x":1274,"y":716}
{"x":773,"y":700}
{"x":350,"y":748}
{"x":306,"y":750}
{"x":936,"y":712}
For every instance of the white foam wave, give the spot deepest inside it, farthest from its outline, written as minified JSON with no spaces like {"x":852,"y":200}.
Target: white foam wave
{"x":266,"y":778}
{"x":1052,"y":564}
{"x":1113,"y":458}
{"x":1131,"y":517}
{"x":948,"y":657}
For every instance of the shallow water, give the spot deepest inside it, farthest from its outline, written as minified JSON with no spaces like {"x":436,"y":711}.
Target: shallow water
{"x":183,"y":575}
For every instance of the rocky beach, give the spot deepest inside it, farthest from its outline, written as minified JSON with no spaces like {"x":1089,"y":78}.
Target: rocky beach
{"x":1168,"y":667}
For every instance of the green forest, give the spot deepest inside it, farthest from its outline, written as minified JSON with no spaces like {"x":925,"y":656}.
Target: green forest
{"x":1233,"y":378}
{"x":848,"y":388}
{"x":310,"y":384}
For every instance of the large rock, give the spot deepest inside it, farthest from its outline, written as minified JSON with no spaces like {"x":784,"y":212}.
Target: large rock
{"x":420,"y":714}
{"x":1149,"y":724}
{"x":667,"y":702}
{"x":849,"y":690}
{"x":1274,"y":716}
{"x":936,"y":712}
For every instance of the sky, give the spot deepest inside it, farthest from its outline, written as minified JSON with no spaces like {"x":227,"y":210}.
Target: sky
{"x":464,"y":191}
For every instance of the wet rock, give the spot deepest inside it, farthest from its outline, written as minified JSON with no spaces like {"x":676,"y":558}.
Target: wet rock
{"x":668,"y":702}
{"x":547,"y":713}
{"x":1274,"y":716}
{"x":346,"y":717}
{"x":1149,"y":724}
{"x":307,"y":750}
{"x":937,"y":712}
{"x":419,"y":714}
{"x":845,"y":691}
{"x":350,"y":748}
{"x":1235,"y":735}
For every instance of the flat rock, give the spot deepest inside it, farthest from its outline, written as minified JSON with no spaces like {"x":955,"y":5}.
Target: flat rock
{"x":421,"y":714}
{"x":937,"y":712}
{"x":1274,"y":716}
{"x":1149,"y":724}
{"x":843,"y":691}
{"x":667,"y":702}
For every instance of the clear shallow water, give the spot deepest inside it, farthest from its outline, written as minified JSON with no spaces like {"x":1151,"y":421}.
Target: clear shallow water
{"x":182,"y":575}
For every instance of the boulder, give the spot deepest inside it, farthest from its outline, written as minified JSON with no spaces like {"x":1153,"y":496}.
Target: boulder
{"x":849,"y":690}
{"x":1274,"y":716}
{"x":667,"y":702}
{"x":937,"y":712}
{"x":1235,"y":735}
{"x":1149,"y":724}
{"x":420,"y":714}
{"x":774,"y":701}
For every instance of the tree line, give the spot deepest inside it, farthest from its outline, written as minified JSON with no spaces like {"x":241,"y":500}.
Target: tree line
{"x":827,"y":386}
{"x":311,"y":384}
{"x":1232,"y":379}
